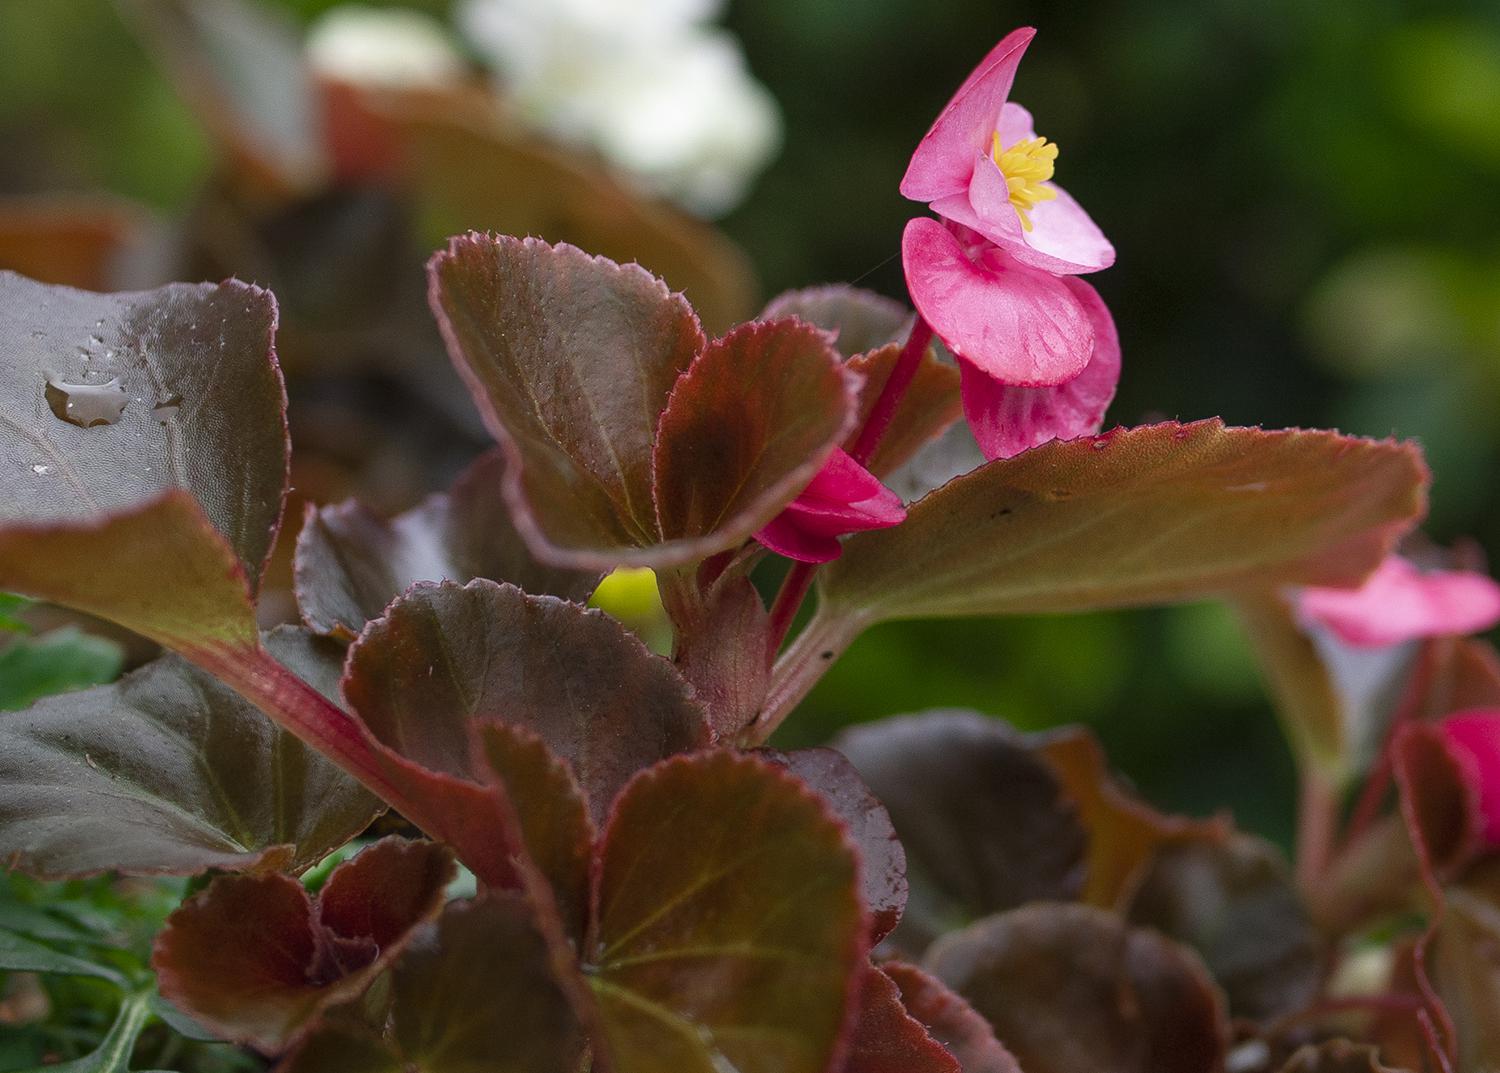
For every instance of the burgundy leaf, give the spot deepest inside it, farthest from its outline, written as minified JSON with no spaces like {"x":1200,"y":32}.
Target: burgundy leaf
{"x":1069,"y":987}
{"x":952,"y":1021}
{"x":255,"y":959}
{"x":888,"y":1039}
{"x":351,"y":564}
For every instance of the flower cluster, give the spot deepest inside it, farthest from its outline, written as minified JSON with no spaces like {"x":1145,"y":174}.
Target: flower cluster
{"x":996,"y":275}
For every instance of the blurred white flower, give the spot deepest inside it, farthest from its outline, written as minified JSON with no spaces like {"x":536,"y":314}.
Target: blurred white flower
{"x":661,"y":94}
{"x":383,"y":47}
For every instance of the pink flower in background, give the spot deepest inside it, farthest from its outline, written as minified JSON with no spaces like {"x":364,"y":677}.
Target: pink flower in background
{"x":1401,"y":603}
{"x":1473,"y":738}
{"x":993,"y":278}
{"x":843,"y":498}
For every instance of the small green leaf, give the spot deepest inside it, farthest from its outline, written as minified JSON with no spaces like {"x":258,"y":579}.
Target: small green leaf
{"x":12,"y":605}
{"x":114,"y":1051}
{"x":20,"y":954}
{"x":1156,"y":514}
{"x":57,"y":662}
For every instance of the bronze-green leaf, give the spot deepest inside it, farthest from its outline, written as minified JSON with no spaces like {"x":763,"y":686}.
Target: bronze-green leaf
{"x":730,"y":932}
{"x":571,"y":359}
{"x":888,"y":1039}
{"x":166,"y":772}
{"x":551,"y":814}
{"x":951,"y":1020}
{"x":1145,"y":515}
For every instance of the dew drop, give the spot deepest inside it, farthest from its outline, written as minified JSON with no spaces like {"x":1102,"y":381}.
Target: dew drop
{"x":166,"y":410}
{"x":41,"y":471}
{"x":86,"y":405}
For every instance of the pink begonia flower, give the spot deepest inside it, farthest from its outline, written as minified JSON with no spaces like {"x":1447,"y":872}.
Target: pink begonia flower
{"x":1401,"y":603}
{"x":843,"y":498}
{"x":1473,"y":738}
{"x":993,"y":278}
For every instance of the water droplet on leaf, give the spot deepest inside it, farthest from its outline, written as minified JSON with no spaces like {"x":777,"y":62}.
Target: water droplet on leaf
{"x":166,"y":410}
{"x":86,"y":405}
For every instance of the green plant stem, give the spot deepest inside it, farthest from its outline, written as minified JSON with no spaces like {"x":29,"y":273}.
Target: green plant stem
{"x":800,"y":667}
{"x":1317,"y":825}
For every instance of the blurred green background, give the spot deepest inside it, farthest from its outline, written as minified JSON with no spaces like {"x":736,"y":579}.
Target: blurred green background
{"x":1306,"y":203}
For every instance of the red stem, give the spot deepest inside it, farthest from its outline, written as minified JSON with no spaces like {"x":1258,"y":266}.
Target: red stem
{"x":788,"y":602}
{"x":799,"y":579}
{"x":892,"y":392}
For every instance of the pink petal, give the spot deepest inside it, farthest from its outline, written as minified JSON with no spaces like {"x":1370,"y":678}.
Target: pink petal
{"x":1474,"y":737}
{"x":1063,"y":238}
{"x":1021,"y":326}
{"x":1401,"y":603}
{"x":1008,"y":420}
{"x":1015,"y":124}
{"x":843,"y":498}
{"x":944,"y":158}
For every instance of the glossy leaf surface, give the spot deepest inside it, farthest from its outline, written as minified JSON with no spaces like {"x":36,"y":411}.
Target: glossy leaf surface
{"x":167,"y":772}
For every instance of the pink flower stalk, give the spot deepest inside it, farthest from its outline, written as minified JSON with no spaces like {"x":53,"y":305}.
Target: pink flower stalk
{"x":1401,"y":603}
{"x":843,"y":498}
{"x":1473,"y":739}
{"x":995,"y":278}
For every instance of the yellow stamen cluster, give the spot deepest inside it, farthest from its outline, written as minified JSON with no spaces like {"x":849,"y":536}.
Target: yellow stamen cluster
{"x":1026,"y":166}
